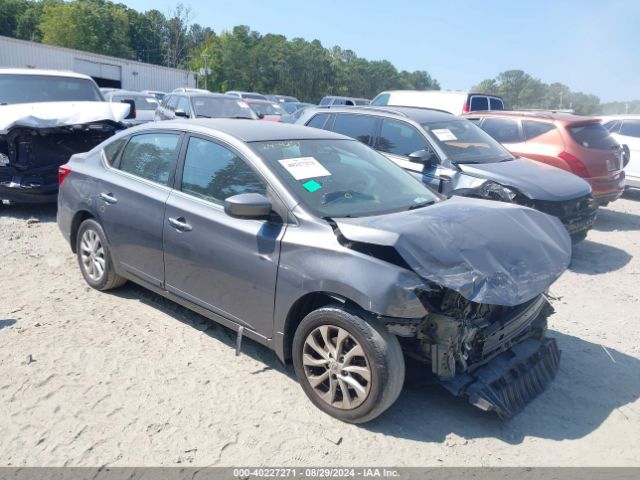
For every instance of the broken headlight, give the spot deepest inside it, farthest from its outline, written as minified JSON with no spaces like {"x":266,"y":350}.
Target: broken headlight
{"x":495,"y":191}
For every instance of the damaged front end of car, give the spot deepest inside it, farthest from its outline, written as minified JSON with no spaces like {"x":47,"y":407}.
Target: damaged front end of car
{"x":495,"y":356}
{"x":35,"y":139}
{"x":486,"y":267}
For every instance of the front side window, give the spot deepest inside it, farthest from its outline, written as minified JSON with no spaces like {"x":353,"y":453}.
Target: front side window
{"x":613,"y":126}
{"x":631,"y":128}
{"x":504,"y":130}
{"x":267,"y":108}
{"x":360,"y":127}
{"x":215,"y":173}
{"x":183,"y":104}
{"x":151,"y":156}
{"x":479,"y":103}
{"x":342,"y":178}
{"x":463,"y":141}
{"x":325,"y":101}
{"x":400,"y":138}
{"x":533,"y":129}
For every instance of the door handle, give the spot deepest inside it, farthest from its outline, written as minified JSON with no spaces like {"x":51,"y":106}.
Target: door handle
{"x":180,"y":224}
{"x":109,"y":198}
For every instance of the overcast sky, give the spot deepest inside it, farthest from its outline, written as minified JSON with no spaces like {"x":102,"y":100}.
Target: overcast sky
{"x":591,"y":46}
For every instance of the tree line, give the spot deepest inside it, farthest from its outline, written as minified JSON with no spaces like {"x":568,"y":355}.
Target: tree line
{"x":243,"y":59}
{"x":240,"y":59}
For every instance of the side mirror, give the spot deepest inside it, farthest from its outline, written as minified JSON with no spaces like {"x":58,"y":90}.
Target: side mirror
{"x":132,"y":109}
{"x":426,"y":157}
{"x":260,"y":115}
{"x":248,"y":205}
{"x":181,"y":113}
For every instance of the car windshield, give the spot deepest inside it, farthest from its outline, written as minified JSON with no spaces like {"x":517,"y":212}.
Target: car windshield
{"x":343,"y":178}
{"x":267,"y":109}
{"x":464,"y":142}
{"x":221,"y":107}
{"x":143,"y":102}
{"x":46,"y":88}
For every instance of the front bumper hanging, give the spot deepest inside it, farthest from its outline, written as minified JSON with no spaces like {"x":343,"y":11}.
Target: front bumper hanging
{"x":511,"y":380}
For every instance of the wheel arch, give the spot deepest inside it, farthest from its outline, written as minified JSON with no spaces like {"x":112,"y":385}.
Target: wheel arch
{"x":301,"y":308}
{"x":79,"y":217}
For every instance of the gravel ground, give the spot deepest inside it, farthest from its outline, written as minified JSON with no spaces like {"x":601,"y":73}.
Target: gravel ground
{"x":128,"y":378}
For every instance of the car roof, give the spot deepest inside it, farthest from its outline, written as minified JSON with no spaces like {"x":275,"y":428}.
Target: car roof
{"x":620,"y":116}
{"x":203,"y":93}
{"x":131,"y":93}
{"x":417,"y":114}
{"x":246,"y":130}
{"x":562,"y":117}
{"x":39,"y":72}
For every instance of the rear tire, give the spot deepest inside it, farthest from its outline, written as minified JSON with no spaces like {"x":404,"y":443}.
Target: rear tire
{"x":359,"y":374}
{"x":94,"y":257}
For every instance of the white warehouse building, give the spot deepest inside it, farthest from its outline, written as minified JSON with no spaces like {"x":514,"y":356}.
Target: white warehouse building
{"x":106,"y":71}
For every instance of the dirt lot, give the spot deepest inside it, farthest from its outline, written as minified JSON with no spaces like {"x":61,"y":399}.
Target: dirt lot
{"x":128,"y":378}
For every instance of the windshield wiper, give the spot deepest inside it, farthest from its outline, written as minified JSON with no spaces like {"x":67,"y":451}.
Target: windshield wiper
{"x":420,"y":205}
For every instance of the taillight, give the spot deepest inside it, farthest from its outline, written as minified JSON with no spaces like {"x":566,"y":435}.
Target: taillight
{"x":575,"y":165}
{"x":63,"y":171}
{"x":465,"y":109}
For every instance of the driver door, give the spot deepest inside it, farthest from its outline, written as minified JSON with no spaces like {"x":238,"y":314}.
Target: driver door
{"x":226,"y":265}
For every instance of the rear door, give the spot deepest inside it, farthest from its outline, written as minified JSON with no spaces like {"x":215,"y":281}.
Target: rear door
{"x":131,"y":197}
{"x":223,"y":264}
{"x":478,"y":103}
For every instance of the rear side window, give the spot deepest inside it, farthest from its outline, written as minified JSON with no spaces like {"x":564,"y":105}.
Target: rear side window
{"x":400,"y":138}
{"x":592,"y":135}
{"x":318,"y":121}
{"x":112,"y":150}
{"x":496,"y":104}
{"x":215,"y":173}
{"x":381,"y":99}
{"x":151,"y":156}
{"x":631,"y":128}
{"x":613,"y":126}
{"x":534,"y":129}
{"x":479,"y":103}
{"x":360,"y":127}
{"x":504,"y":130}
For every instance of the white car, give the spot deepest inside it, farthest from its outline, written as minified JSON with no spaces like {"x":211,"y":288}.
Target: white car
{"x":626,"y":130}
{"x":456,"y":102}
{"x":145,"y":105}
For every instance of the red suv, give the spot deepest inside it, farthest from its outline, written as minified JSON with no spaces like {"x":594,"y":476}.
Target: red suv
{"x":580,"y":145}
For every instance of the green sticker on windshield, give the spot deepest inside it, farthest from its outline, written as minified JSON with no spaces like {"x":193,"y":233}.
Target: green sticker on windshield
{"x":312,"y":186}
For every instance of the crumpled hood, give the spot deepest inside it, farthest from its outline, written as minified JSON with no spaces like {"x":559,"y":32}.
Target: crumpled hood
{"x":57,"y":114}
{"x":489,"y":252}
{"x":534,"y":179}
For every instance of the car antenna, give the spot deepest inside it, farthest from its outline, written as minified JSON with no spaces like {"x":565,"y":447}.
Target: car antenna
{"x":239,"y":340}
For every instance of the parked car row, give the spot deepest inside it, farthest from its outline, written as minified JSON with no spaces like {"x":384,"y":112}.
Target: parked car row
{"x":345,"y":243}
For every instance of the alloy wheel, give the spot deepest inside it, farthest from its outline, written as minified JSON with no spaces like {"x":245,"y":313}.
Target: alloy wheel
{"x":336,"y":367}
{"x":92,"y":255}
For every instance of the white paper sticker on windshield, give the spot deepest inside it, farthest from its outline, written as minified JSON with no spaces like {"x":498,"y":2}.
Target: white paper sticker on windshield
{"x":151,"y":100}
{"x":304,"y":167}
{"x":444,"y":134}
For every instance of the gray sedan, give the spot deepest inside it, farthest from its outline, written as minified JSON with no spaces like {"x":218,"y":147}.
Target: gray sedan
{"x":317,"y":246}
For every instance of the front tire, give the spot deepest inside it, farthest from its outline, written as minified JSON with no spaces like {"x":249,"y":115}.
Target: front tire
{"x":94,"y":257}
{"x":349,"y":365}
